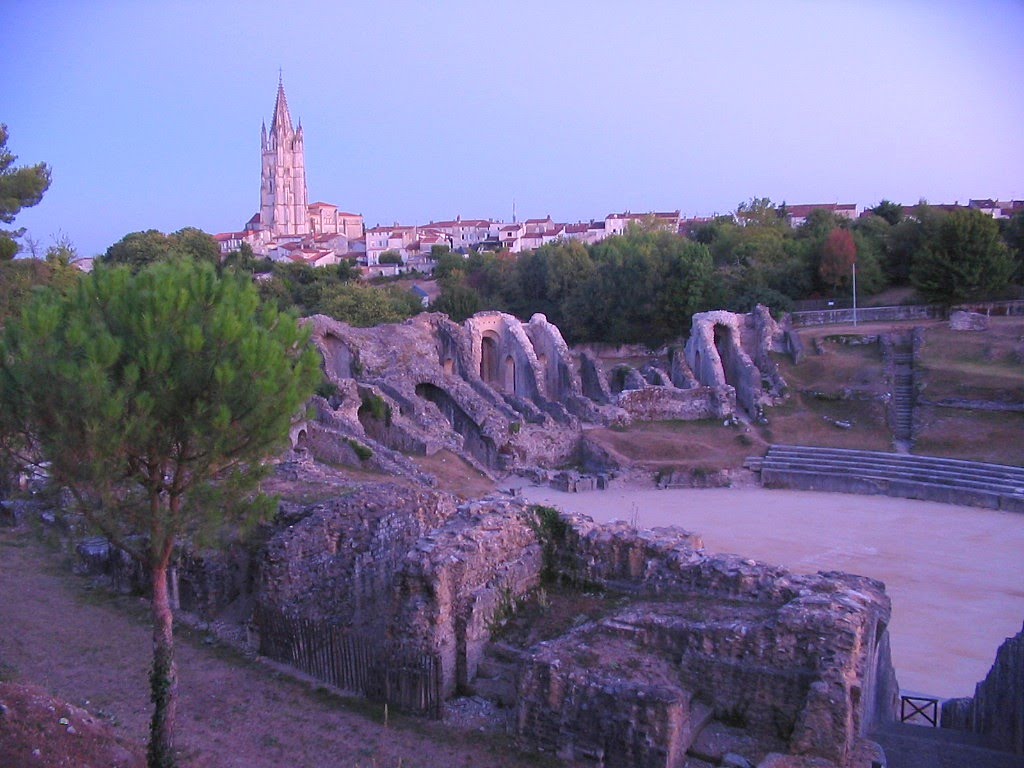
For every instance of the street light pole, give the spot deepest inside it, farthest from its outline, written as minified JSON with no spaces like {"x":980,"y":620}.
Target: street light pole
{"x":855,"y":294}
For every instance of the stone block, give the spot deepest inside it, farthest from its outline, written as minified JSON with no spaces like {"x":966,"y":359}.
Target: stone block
{"x":968,"y":321}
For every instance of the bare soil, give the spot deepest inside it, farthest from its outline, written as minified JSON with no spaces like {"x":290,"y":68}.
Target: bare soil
{"x":93,"y":650}
{"x":37,"y":729}
{"x":980,"y":365}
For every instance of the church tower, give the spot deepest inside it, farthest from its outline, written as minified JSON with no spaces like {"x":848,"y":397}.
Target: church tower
{"x":283,"y":204}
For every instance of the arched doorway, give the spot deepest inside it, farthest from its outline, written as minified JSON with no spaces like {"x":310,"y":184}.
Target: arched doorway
{"x":510,"y":375}
{"x":489,"y":358}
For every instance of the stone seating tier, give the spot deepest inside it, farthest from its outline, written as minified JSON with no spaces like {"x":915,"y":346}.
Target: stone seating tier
{"x":995,"y":486}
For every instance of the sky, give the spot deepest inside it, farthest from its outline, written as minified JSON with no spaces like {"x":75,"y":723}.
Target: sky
{"x":149,"y":113}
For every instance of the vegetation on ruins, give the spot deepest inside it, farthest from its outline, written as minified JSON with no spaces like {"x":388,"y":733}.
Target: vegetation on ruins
{"x":153,"y":397}
{"x":552,"y":531}
{"x":19,"y":188}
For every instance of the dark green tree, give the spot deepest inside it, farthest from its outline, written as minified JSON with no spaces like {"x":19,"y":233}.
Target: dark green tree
{"x":966,"y":260}
{"x":140,"y":249}
{"x":457,"y":300}
{"x":154,"y":398}
{"x":889,"y":211}
{"x":1013,"y":235}
{"x":19,"y":188}
{"x":909,"y":238}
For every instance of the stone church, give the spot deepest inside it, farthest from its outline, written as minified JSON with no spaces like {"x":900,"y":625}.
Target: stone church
{"x":287,"y":225}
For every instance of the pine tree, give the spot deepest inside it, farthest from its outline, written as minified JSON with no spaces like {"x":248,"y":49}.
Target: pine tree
{"x":154,"y":398}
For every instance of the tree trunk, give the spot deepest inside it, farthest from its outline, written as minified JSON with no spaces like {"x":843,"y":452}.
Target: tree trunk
{"x":163,"y":679}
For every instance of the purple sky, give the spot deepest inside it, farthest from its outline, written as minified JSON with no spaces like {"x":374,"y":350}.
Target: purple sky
{"x":150,"y":113}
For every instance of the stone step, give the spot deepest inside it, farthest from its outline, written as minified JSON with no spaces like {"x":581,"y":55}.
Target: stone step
{"x":909,"y":489}
{"x":1010,"y":478}
{"x":881,"y":473}
{"x":907,"y":460}
{"x":878,"y":483}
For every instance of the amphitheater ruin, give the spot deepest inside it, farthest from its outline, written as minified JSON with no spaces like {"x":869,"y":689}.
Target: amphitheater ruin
{"x":408,"y":594}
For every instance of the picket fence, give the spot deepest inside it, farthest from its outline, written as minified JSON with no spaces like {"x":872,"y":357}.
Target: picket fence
{"x":406,"y":679}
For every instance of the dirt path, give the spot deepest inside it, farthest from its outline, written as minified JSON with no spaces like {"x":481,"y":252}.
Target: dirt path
{"x":94,"y":651}
{"x":955,"y":574}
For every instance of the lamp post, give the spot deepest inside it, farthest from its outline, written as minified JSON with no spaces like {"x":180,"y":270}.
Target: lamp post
{"x":854,"y":294}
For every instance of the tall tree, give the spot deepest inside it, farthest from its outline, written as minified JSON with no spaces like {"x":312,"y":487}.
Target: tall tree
{"x":154,"y":397}
{"x":838,"y":256}
{"x":966,"y":260}
{"x":140,"y":249}
{"x":759,"y":211}
{"x":888,"y":210}
{"x":19,"y":188}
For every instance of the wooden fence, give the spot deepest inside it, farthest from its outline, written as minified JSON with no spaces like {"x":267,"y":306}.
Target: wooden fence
{"x":408,"y":680}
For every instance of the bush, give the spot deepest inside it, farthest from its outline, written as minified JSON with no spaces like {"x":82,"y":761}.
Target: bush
{"x":363,"y":452}
{"x":377,"y":408}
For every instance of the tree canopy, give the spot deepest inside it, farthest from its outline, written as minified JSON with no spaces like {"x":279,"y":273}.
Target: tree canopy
{"x":154,"y":397}
{"x":966,"y":260}
{"x":19,"y":188}
{"x":140,"y":249}
{"x":838,"y":257}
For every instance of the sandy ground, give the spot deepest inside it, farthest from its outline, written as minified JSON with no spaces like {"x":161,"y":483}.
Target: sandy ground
{"x":955,"y":574}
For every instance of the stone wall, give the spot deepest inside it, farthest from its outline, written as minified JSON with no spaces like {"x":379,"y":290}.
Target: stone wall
{"x":996,"y":710}
{"x":339,"y":560}
{"x":457,"y":582}
{"x":660,"y":403}
{"x":557,"y":367}
{"x":800,"y":663}
{"x":866,"y":315}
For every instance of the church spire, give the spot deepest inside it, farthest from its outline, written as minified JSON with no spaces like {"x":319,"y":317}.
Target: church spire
{"x":281,"y":120}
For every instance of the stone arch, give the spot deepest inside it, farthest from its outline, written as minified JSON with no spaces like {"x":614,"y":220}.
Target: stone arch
{"x":725,"y":345}
{"x":474,"y":440}
{"x":339,"y":356}
{"x":509,"y":371}
{"x":489,"y":358}
{"x":550,"y":383}
{"x":298,"y":437}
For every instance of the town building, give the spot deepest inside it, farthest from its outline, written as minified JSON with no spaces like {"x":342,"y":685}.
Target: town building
{"x":797,"y":215}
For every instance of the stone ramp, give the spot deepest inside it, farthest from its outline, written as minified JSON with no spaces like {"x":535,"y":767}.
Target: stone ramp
{"x":952,"y":481}
{"x":914,"y":746}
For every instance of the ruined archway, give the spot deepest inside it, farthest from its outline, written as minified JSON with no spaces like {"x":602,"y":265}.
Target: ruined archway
{"x":510,"y":375}
{"x":489,"y":358}
{"x":337,"y":357}
{"x":552,"y":390}
{"x":474,"y":441}
{"x":726,"y":346}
